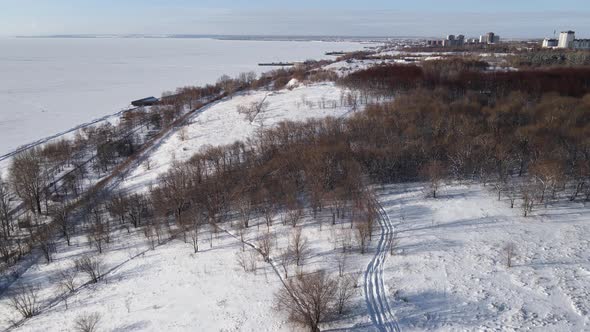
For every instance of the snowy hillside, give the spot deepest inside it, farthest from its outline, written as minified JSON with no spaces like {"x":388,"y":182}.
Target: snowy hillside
{"x":221,"y":124}
{"x":171,"y":288}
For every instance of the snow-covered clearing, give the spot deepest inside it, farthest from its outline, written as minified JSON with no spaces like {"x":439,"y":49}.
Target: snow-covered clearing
{"x":450,"y":270}
{"x":173,"y":289}
{"x":166,"y":289}
{"x":220,"y":124}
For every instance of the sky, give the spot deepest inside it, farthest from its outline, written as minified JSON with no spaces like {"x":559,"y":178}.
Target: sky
{"x":429,"y":18}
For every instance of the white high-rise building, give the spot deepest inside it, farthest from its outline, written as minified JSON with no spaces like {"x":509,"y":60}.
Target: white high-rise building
{"x":566,"y":39}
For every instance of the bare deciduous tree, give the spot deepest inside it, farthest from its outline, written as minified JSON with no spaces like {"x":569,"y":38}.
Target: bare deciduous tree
{"x":67,"y":279}
{"x":286,"y":259}
{"x":265,"y":245}
{"x":341,"y":260}
{"x":299,"y":246}
{"x":87,"y":322}
{"x":344,"y":293}
{"x":27,"y":178}
{"x":528,"y":198}
{"x":362,"y":235}
{"x":247,"y":260}
{"x":25,"y":301}
{"x":245,"y":209}
{"x":356,"y":278}
{"x":91,"y":266}
{"x":308,"y":299}
{"x":509,"y":251}
{"x":434,"y":171}
{"x":99,"y":231}
{"x":61,"y":216}
{"x":43,"y":237}
{"x":294,"y":216}
{"x":5,"y":216}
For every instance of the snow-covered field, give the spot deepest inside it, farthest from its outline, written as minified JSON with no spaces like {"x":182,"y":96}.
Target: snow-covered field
{"x":450,"y":274}
{"x":49,"y":85}
{"x":173,"y":289}
{"x":166,"y":289}
{"x":221,"y":123}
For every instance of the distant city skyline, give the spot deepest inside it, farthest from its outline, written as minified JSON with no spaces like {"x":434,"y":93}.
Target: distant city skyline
{"x":428,"y":18}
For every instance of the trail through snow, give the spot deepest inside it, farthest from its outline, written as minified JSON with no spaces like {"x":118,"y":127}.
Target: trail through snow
{"x":375,"y":292}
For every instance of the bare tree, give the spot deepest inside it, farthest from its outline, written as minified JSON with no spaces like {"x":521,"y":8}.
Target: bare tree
{"x":341,"y":259}
{"x":27,"y":178}
{"x":67,"y":283}
{"x":99,"y":229}
{"x":149,"y":231}
{"x":308,"y":299}
{"x":346,"y":239}
{"x":44,"y":239}
{"x":247,"y":260}
{"x":194,"y":231}
{"x":269,"y":211}
{"x":245,"y":209}
{"x":286,"y":259}
{"x":294,"y":216}
{"x":434,"y":172}
{"x":137,"y":206}
{"x":118,"y":206}
{"x":87,"y":322}
{"x":5,"y":217}
{"x":265,"y":245}
{"x":61,"y":216}
{"x":528,"y":198}
{"x":509,"y":253}
{"x":25,"y":301}
{"x":344,"y":293}
{"x":67,"y":279}
{"x":299,"y":245}
{"x":512,"y":194}
{"x":362,"y":235}
{"x":356,"y":278}
{"x":91,"y":266}
{"x":183,"y":134}
{"x":251,"y":110}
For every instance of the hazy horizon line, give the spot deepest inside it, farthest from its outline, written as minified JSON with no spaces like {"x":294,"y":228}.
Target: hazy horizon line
{"x":241,"y":36}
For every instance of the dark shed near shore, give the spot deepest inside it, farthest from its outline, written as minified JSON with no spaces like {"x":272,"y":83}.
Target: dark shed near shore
{"x":149,"y":101}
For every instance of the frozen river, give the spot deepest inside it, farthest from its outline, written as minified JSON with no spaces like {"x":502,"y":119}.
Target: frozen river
{"x":48,"y":85}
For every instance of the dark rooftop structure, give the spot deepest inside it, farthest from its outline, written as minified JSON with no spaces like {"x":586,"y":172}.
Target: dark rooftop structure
{"x":149,"y":101}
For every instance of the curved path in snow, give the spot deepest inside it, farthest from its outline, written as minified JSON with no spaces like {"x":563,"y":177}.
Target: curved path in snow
{"x":375,"y":293}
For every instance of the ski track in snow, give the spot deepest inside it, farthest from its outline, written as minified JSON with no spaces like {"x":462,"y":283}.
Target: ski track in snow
{"x":375,"y":292}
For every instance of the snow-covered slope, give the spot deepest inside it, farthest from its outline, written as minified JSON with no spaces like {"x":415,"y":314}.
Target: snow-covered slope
{"x":221,"y":124}
{"x":450,"y":272}
{"x":167,"y":289}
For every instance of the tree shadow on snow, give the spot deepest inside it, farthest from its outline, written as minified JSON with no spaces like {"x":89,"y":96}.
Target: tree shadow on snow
{"x":434,"y":310}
